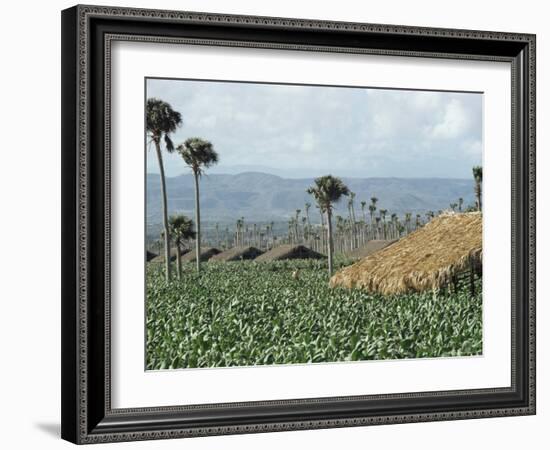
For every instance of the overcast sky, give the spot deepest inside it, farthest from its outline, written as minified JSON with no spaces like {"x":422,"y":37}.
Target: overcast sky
{"x":306,"y":131}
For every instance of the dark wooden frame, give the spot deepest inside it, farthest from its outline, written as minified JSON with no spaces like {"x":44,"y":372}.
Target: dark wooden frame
{"x":87,"y":32}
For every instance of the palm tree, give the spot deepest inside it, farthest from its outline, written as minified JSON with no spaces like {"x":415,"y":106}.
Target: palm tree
{"x":351,"y":207}
{"x":478,"y":175}
{"x":373,"y":201}
{"x":394,"y":222}
{"x":408,"y":216}
{"x":372,"y":209}
{"x":199,"y":155}
{"x":363,"y":205}
{"x":296,"y":226}
{"x":161,"y":121}
{"x":340,"y":234}
{"x":217,"y":234}
{"x":308,"y":205}
{"x":383,"y":217}
{"x":327,"y":191}
{"x":181,"y":227}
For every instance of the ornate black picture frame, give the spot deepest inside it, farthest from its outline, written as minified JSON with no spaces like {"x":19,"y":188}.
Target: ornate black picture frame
{"x":87,"y":34}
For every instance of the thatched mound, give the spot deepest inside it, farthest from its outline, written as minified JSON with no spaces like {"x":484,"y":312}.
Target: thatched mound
{"x":371,"y":247}
{"x":237,"y":254}
{"x":288,"y":251}
{"x":160,"y":258}
{"x":206,"y":254}
{"x":425,"y":259}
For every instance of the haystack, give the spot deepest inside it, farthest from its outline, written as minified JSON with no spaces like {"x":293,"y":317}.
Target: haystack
{"x":370,"y":248}
{"x":160,"y":258}
{"x":206,"y":254}
{"x":428,"y":258}
{"x":289,"y":251}
{"x":237,"y":254}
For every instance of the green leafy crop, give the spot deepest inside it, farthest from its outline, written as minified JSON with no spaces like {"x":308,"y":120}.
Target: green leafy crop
{"x":246,"y":313}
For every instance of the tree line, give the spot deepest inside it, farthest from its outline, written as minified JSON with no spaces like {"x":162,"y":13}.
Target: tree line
{"x":198,"y":154}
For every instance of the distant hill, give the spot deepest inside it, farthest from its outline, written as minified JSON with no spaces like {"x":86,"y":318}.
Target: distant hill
{"x":263,"y":197}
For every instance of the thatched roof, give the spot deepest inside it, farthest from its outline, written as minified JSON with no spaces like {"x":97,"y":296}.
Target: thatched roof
{"x":370,"y":248}
{"x":237,"y":254}
{"x":425,"y":259}
{"x":288,"y":251}
{"x":206,"y":254}
{"x":160,"y":258}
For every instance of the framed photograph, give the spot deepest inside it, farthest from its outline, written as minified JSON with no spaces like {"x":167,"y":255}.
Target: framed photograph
{"x":278,"y":224}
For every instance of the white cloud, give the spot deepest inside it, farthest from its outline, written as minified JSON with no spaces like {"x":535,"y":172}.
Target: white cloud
{"x":309,"y":142}
{"x":455,"y":122}
{"x":472,"y":148}
{"x":372,"y":132}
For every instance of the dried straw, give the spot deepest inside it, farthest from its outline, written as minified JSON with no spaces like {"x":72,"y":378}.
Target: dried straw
{"x":426,"y":259}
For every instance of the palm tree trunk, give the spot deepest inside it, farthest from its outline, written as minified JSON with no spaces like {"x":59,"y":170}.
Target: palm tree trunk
{"x":478,"y":195}
{"x":330,"y":246}
{"x":164,"y":212}
{"x":198,"y":223}
{"x":178,"y":261}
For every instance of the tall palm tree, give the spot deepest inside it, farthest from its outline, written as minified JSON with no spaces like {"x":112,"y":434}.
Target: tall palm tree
{"x":181,"y":228}
{"x":363,"y":205}
{"x":394,"y":222}
{"x":373,"y":201}
{"x":383,"y":217}
{"x":199,"y":155}
{"x":408,"y":216}
{"x":351,"y":208}
{"x":161,"y":121}
{"x":307,"y":206}
{"x":217,"y":234}
{"x":328,"y":190}
{"x":296,"y":226}
{"x":478,"y":175}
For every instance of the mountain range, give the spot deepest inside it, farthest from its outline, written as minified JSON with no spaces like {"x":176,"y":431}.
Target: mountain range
{"x":264,"y":197}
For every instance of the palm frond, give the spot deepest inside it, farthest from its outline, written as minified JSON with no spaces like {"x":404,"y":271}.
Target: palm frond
{"x":161,"y":120}
{"x":168,"y":143}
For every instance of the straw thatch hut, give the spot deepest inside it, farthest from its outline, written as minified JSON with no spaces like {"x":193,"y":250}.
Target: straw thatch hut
{"x":429,"y":258}
{"x":160,"y":258}
{"x":370,"y":248}
{"x":237,"y":254}
{"x":288,"y":251}
{"x":206,"y":254}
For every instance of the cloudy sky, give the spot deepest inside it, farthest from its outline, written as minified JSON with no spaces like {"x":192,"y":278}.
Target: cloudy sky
{"x":306,"y":131}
